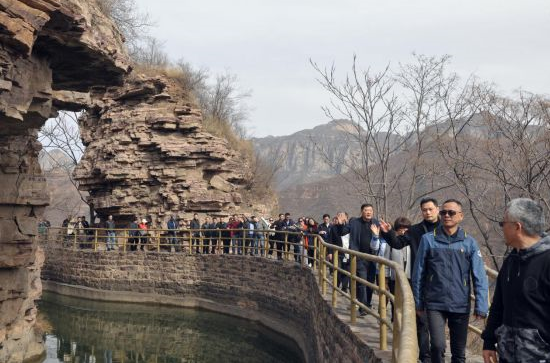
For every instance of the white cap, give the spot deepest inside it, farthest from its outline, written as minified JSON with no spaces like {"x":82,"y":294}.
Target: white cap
{"x":144,"y":220}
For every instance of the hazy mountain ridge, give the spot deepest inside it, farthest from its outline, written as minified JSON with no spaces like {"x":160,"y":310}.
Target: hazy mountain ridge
{"x":311,"y":155}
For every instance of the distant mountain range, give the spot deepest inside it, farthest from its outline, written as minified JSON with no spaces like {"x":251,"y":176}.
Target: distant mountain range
{"x":311,"y":164}
{"x":311,"y":155}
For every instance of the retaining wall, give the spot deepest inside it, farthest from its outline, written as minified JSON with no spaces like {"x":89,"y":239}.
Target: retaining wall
{"x":281,"y":295}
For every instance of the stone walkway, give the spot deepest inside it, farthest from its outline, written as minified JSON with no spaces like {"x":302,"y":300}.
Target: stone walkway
{"x":366,"y":328}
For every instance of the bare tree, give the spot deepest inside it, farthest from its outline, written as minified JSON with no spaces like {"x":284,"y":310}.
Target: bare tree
{"x":62,"y":134}
{"x":150,"y":53}
{"x":391,"y":111}
{"x":192,"y":79}
{"x":132,"y":23}
{"x":223,"y":101}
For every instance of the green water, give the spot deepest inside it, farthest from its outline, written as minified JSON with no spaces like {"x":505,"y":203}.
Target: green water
{"x":84,"y":331}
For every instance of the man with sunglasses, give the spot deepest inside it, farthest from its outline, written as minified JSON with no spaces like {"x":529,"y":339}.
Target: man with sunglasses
{"x":446,"y":262}
{"x":519,"y":322}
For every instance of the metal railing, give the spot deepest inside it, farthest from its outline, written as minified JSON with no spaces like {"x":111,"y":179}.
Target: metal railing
{"x":288,"y":246}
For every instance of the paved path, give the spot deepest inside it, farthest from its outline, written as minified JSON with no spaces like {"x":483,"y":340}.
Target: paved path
{"x":366,"y":328}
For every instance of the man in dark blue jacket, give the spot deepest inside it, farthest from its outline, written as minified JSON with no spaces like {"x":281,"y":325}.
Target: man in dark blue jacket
{"x":446,"y":261}
{"x":519,"y":321}
{"x":361,"y":234}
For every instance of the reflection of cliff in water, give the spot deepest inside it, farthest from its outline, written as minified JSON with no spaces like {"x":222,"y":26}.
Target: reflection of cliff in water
{"x":87,"y":331}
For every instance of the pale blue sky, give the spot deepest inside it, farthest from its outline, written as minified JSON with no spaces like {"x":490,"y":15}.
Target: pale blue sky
{"x":268,"y":44}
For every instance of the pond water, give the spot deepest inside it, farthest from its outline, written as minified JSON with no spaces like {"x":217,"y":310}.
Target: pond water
{"x":85,"y":331}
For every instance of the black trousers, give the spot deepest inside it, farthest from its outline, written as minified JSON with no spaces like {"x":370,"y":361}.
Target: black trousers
{"x":367,"y":271}
{"x":458,"y":331}
{"x":343,"y":280}
{"x":226,"y":245}
{"x":423,"y":336}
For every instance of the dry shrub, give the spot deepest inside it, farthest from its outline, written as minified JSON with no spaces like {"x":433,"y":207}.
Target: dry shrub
{"x":222,"y":129}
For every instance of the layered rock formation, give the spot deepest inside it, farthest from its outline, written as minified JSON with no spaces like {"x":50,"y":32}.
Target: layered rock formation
{"x":50,"y":52}
{"x":147,"y":154}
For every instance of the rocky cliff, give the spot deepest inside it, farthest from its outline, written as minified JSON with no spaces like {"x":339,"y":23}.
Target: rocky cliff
{"x":148,"y":155}
{"x":51,"y":53}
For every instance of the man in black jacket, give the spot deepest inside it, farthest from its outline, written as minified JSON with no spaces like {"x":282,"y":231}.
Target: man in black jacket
{"x":225,"y":235}
{"x":195,"y":226}
{"x":361,"y":233}
{"x":519,"y":319}
{"x":430,"y":221}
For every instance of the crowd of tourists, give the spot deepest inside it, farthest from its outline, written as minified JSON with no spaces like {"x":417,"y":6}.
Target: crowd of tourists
{"x":441,"y":260}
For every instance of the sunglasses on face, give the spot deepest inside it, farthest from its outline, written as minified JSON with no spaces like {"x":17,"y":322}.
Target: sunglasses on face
{"x":450,"y":213}
{"x":502,"y":223}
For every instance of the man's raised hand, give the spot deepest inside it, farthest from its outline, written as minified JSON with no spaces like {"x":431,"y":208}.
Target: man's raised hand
{"x":385,"y":226}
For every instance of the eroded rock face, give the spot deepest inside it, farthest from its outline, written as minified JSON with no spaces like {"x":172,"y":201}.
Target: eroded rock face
{"x":148,"y":155}
{"x":49,"y":49}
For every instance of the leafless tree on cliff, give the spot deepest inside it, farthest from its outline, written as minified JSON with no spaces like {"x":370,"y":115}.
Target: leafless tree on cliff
{"x":150,"y":53}
{"x":132,"y":23}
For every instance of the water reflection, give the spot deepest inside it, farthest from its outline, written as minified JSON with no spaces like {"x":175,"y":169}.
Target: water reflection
{"x":84,"y":331}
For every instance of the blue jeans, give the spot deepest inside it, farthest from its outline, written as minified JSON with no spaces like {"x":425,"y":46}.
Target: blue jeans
{"x":111,"y":240}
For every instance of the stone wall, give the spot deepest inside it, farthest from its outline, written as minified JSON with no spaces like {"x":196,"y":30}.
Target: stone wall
{"x":281,"y":295}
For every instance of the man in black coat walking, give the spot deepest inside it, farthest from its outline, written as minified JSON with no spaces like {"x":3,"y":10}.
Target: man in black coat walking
{"x":430,"y":221}
{"x":361,"y":233}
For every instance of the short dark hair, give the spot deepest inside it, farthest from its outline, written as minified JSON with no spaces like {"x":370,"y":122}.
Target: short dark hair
{"x":326,"y":215}
{"x":401,"y":222}
{"x":452,"y":200}
{"x":365,"y":205}
{"x":287,"y":214}
{"x":281,"y":214}
{"x":428,"y":200}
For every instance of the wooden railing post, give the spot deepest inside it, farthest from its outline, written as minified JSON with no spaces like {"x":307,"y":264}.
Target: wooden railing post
{"x":95,"y":239}
{"x":286,"y":246}
{"x":245,"y":232}
{"x":397,"y":320}
{"x":323,"y":265}
{"x":158,"y":240}
{"x":382,"y":306}
{"x":353,"y":290}
{"x":126,"y":235}
{"x":75,"y":233}
{"x":315,"y":252}
{"x":334,"y":277}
